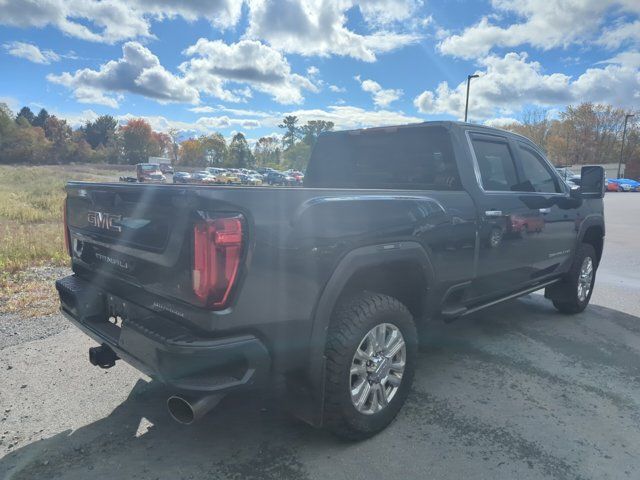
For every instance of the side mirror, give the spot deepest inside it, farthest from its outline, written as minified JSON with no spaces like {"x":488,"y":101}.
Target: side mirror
{"x":592,"y":182}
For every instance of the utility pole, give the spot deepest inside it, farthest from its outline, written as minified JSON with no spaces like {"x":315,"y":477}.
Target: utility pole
{"x":466,"y":107}
{"x":624,"y":134}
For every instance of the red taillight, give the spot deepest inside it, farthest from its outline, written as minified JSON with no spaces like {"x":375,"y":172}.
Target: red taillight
{"x":217,"y":248}
{"x":67,"y":236}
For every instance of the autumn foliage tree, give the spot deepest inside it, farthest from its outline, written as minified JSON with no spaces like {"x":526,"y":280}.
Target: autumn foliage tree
{"x":137,"y":141}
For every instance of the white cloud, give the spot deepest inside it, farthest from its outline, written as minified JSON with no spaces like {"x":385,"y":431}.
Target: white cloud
{"x":382,"y":97}
{"x":100,"y":21}
{"x":138,"y":71}
{"x":202,"y":126}
{"x":112,"y":21}
{"x":337,"y":89}
{"x":10,"y":102}
{"x":232,"y":111}
{"x":31,"y":52}
{"x":614,"y":37}
{"x":216,"y":64}
{"x":545,"y":24}
{"x":629,"y":59}
{"x":309,"y":27}
{"x":508,"y":83}
{"x":500,"y":122}
{"x":383,"y":12}
{"x":221,"y":13}
{"x":318,"y":27}
{"x":346,"y":116}
{"x":313,"y":71}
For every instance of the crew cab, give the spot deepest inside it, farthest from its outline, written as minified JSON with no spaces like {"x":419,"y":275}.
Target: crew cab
{"x":221,"y":289}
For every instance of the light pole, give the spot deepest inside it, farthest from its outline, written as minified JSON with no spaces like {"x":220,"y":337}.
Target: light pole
{"x":624,"y":134}
{"x":466,"y":106}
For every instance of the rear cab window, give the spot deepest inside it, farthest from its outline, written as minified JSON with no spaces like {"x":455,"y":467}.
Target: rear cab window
{"x":409,"y":158}
{"x":496,"y":163}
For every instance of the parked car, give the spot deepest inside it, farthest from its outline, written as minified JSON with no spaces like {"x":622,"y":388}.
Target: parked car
{"x":204,"y":178}
{"x":149,"y":172}
{"x":166,"y":168}
{"x":296,"y":175}
{"x":626,"y":185}
{"x":228,"y":178}
{"x":250,"y":179}
{"x":325,"y":286}
{"x":264,"y":170}
{"x":279,"y":178}
{"x":182,"y":177}
{"x":256,"y":179}
{"x":216,"y":170}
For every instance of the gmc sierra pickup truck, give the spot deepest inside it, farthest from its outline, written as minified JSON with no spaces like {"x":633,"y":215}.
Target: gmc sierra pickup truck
{"x":328,"y":287}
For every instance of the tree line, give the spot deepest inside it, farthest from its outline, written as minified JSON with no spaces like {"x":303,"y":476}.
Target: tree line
{"x":583,"y":134}
{"x":36,"y":139}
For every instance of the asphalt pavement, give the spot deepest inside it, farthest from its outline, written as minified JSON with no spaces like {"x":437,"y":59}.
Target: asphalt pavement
{"x":516,"y":391}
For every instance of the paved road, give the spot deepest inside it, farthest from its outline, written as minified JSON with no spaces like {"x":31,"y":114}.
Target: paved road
{"x":516,"y":391}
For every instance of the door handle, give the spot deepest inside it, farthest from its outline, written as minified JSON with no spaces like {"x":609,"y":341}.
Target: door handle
{"x":493,"y":213}
{"x":544,"y":211}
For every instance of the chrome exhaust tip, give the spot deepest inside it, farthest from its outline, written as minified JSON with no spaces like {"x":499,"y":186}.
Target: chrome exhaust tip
{"x":188,"y":410}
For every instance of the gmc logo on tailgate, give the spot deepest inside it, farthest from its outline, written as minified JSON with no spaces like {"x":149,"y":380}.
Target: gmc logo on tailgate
{"x":106,"y":221}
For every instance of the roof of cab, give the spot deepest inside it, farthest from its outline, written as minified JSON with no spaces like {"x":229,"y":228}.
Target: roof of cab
{"x":449,"y":124}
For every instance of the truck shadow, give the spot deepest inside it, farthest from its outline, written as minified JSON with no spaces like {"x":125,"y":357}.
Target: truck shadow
{"x":254,"y":437}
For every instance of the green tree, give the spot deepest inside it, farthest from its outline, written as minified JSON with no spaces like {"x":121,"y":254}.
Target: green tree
{"x":267,"y":151}
{"x":292,"y":132}
{"x":240,"y":155}
{"x":100,"y":131}
{"x":26,"y":114}
{"x":215,"y":148}
{"x":25,"y":145}
{"x":41,"y":119}
{"x":312,"y":130}
{"x":297,"y":157}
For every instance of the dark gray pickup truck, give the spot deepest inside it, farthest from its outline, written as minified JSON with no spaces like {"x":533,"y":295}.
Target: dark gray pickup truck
{"x":213,"y":289}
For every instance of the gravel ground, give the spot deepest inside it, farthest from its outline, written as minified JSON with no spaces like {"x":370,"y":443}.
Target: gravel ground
{"x":516,"y":391}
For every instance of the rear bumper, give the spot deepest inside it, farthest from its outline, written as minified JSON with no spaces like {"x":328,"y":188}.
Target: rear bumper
{"x":161,"y":348}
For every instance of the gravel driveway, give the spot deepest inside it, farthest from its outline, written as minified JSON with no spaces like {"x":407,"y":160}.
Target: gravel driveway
{"x":516,"y":391}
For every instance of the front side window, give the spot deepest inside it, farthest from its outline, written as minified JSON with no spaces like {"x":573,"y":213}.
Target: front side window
{"x":497,"y":169}
{"x":536,"y":173}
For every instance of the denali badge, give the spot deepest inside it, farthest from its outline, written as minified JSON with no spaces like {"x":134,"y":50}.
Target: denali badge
{"x":105,"y":221}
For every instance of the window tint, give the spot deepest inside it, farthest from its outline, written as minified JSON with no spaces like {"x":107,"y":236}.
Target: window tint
{"x":495,"y":162}
{"x":536,"y":173}
{"x":413,"y":158}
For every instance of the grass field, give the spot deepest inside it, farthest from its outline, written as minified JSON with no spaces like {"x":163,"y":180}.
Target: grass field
{"x":31,"y":232}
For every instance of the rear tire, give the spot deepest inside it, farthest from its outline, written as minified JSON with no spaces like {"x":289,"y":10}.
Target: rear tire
{"x":573,"y":293}
{"x":368,"y":372}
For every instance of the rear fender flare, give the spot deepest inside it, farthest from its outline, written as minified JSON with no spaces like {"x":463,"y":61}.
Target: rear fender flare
{"x":369,"y":256}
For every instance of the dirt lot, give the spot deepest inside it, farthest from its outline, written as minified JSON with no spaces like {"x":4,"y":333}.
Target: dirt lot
{"x":516,"y":391}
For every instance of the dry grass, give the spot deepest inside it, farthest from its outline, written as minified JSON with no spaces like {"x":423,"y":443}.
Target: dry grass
{"x":31,"y":232}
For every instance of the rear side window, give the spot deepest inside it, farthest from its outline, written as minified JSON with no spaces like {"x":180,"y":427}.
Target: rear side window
{"x":411,"y":158}
{"x":497,"y":170}
{"x":536,"y":172}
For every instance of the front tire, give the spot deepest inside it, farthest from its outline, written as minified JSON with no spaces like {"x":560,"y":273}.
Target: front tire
{"x":371,"y":354}
{"x":573,"y":293}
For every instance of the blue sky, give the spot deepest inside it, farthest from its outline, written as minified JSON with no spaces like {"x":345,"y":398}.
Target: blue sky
{"x":226,"y":65}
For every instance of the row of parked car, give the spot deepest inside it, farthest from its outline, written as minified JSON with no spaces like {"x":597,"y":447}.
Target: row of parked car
{"x":240,"y":176}
{"x":612,"y":184}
